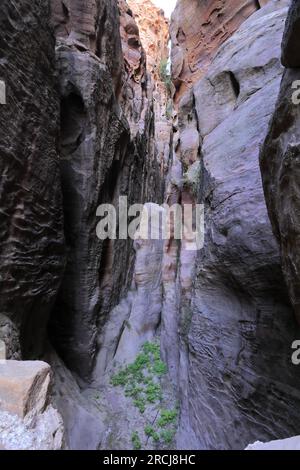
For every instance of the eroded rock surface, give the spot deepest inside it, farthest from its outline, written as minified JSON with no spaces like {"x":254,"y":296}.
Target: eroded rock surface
{"x":198,"y":29}
{"x":31,"y":233}
{"x":280,"y":163}
{"x":107,"y":150}
{"x":238,"y":327}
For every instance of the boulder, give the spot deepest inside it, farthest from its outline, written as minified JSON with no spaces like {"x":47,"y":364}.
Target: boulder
{"x":24,"y":387}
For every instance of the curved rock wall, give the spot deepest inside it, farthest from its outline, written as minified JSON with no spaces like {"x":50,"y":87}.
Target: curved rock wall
{"x":234,"y":366}
{"x":198,"y":29}
{"x":280,"y":160}
{"x":31,"y":233}
{"x":107,"y":150}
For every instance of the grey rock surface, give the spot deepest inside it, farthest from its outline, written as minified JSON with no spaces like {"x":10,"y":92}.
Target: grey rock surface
{"x":107,"y":150}
{"x":291,"y":443}
{"x":240,"y":384}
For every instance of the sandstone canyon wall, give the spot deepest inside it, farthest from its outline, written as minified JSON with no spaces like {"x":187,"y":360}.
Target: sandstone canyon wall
{"x":234,"y":370}
{"x":107,"y":150}
{"x":32,"y":235}
{"x":280,"y":161}
{"x":91,"y":116}
{"x":198,"y":29}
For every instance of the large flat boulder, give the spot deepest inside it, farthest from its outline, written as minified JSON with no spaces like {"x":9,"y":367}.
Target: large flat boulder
{"x":24,"y":387}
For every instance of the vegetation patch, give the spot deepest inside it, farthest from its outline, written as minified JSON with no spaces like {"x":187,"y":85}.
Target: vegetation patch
{"x":141,"y":381}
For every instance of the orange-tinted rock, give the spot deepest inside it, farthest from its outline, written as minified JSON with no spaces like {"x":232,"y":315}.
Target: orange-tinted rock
{"x":154,"y":33}
{"x":198,"y":28}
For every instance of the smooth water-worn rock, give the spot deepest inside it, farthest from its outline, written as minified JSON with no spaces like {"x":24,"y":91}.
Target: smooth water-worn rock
{"x":235,"y":371}
{"x":31,"y":233}
{"x":107,"y":150}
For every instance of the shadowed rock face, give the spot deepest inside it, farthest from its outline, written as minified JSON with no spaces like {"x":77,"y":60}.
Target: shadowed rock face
{"x":198,"y":29}
{"x":31,"y":232}
{"x":236,"y":379}
{"x":290,"y":49}
{"x":280,"y":159}
{"x":107,"y":150}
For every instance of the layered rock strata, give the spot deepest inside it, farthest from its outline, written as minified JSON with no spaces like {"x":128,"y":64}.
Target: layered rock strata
{"x":198,"y":29}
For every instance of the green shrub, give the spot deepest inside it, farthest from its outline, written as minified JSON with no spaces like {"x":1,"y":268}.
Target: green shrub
{"x":167,"y":417}
{"x":136,"y":442}
{"x":167,"y":436}
{"x":141,"y":382}
{"x":165,"y":75}
{"x":153,"y":392}
{"x":150,"y":432}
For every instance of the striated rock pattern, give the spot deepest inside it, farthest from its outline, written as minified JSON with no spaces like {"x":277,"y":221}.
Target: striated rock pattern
{"x":107,"y":150}
{"x":198,"y":29}
{"x":31,"y":233}
{"x":279,"y":161}
{"x":235,"y":376}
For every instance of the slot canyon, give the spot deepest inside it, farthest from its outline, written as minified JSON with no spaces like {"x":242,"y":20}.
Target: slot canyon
{"x":113,"y":344}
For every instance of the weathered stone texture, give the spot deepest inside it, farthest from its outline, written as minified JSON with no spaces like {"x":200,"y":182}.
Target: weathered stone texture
{"x":198,"y":29}
{"x":107,"y":150}
{"x":31,"y":231}
{"x":280,"y":159}
{"x":235,"y":371}
{"x":27,"y":420}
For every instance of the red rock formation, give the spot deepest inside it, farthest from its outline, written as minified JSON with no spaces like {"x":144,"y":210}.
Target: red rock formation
{"x":154,"y":36}
{"x":197,"y":31}
{"x":154,"y":33}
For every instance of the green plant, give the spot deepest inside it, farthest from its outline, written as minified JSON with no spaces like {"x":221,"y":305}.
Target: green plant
{"x":150,"y":432}
{"x":167,"y":417}
{"x":159,"y":367}
{"x":140,"y":403}
{"x":136,"y":442}
{"x":165,"y":75}
{"x":153,"y":392}
{"x":141,"y":382}
{"x":167,"y":436}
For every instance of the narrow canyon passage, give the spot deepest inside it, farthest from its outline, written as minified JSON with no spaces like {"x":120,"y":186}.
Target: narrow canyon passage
{"x":149,"y":343}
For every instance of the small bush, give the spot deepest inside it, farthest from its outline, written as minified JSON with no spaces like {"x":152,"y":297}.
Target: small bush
{"x":167,"y":417}
{"x":150,"y":432}
{"x":167,"y":436}
{"x":136,"y":442}
{"x":141,"y":382}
